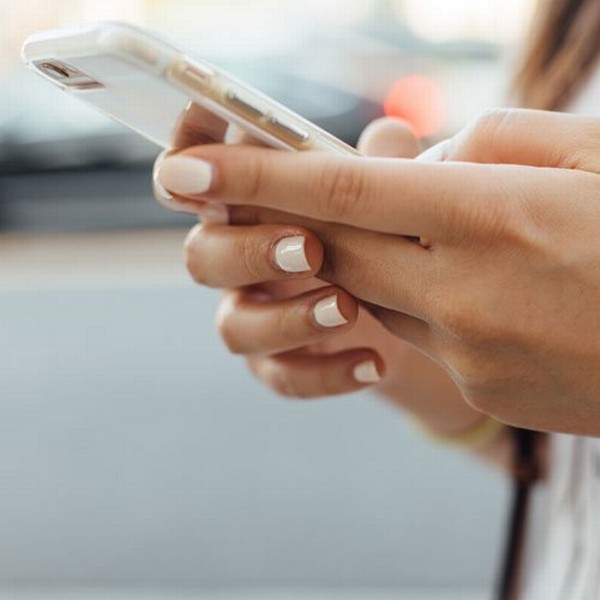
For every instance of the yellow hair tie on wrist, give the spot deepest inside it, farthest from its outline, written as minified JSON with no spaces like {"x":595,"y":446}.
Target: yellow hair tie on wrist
{"x":475,"y":437}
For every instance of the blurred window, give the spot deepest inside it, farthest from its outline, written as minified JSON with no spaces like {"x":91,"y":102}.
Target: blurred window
{"x":340,"y":63}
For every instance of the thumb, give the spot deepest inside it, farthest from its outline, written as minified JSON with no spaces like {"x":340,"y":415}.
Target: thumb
{"x":389,"y":138}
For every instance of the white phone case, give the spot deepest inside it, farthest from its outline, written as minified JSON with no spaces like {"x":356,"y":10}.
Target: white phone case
{"x":148,"y":85}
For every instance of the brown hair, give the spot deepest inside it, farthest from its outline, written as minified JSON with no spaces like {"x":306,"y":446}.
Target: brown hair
{"x":562,"y":51}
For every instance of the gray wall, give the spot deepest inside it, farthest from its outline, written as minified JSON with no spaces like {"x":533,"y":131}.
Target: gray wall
{"x":135,"y":451}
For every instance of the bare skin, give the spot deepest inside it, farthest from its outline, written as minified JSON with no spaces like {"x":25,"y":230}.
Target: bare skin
{"x":503,"y":291}
{"x":304,"y":360}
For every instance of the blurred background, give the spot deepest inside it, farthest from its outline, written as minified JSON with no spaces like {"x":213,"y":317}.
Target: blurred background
{"x":136,"y":457}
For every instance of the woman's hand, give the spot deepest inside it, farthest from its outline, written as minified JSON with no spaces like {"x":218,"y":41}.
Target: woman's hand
{"x":502,"y":291}
{"x":301,"y":337}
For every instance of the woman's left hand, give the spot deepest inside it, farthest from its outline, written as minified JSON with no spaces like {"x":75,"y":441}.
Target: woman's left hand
{"x":503,"y":289}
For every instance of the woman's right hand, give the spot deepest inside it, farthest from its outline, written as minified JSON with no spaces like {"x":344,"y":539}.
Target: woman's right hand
{"x":301,"y":338}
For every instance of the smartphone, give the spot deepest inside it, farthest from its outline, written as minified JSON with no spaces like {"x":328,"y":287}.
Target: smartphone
{"x":149,"y":85}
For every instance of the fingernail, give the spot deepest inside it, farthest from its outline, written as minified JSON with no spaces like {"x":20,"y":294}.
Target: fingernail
{"x":290,"y":255}
{"x":214,"y":212}
{"x":366,"y":372}
{"x":327,"y":313}
{"x":185,"y":175}
{"x":163,"y":196}
{"x":160,"y":191}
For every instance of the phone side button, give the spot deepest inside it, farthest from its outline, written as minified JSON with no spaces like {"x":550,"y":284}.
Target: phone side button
{"x":289,"y":131}
{"x":244,"y":106}
{"x":184,"y":73}
{"x":196,"y":76}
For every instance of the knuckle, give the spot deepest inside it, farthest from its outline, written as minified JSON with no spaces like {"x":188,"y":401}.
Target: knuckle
{"x":198,"y":274}
{"x":285,"y":381}
{"x":288,"y":320}
{"x":228,"y":331}
{"x":192,"y":252}
{"x":253,"y":256}
{"x":487,"y":123}
{"x":254,"y":174}
{"x":326,"y":384}
{"x":340,"y":189}
{"x":484,"y":131}
{"x":494,"y":221}
{"x":257,"y":367}
{"x":229,"y":338}
{"x":503,"y":220}
{"x":485,"y":220}
{"x":281,"y":381}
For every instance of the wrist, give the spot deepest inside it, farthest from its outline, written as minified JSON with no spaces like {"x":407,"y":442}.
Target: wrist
{"x":475,"y":437}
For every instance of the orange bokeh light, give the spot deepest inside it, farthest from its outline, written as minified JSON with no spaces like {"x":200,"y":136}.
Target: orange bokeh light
{"x":418,"y":100}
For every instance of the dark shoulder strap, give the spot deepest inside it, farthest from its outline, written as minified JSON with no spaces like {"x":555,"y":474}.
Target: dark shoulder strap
{"x":526,"y":471}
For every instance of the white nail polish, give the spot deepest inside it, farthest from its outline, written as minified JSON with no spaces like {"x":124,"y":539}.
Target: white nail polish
{"x":185,"y":175}
{"x":366,"y":372}
{"x":159,"y":190}
{"x":327,"y":313}
{"x":214,"y":212}
{"x":290,"y":255}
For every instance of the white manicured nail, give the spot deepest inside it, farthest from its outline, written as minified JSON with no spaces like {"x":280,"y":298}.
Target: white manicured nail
{"x":184,"y":175}
{"x":214,"y":212}
{"x":367,"y":372}
{"x":290,"y":255}
{"x":161,"y":193}
{"x":327,"y":313}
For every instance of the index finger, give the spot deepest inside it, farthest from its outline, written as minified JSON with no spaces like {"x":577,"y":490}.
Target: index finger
{"x":396,"y":196}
